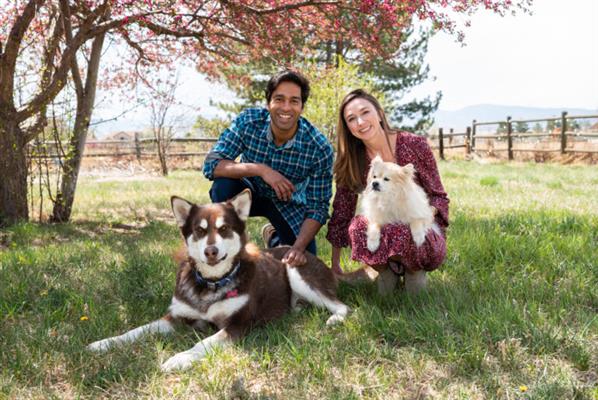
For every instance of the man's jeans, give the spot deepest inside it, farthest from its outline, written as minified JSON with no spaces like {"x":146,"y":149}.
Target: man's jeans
{"x":226,"y":188}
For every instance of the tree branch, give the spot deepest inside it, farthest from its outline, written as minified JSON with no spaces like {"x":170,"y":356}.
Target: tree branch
{"x":286,"y":7}
{"x":68,"y":36}
{"x":11,"y":51}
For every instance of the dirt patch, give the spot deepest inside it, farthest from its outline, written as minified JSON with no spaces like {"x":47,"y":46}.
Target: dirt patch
{"x":110,"y":169}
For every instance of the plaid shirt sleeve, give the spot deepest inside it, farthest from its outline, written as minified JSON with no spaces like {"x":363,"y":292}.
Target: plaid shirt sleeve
{"x":319,"y":190}
{"x":228,"y":146}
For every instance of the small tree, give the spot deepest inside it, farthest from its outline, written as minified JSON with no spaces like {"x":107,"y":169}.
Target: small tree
{"x":162,"y":98}
{"x":328,"y":87}
{"x":538,"y":128}
{"x":521,"y":127}
{"x":211,"y":127}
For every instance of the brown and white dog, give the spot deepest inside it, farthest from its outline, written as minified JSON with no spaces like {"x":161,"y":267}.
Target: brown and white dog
{"x":226,"y":282}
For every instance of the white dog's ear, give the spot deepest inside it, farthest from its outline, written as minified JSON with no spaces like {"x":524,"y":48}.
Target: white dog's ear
{"x":409,"y":169}
{"x":242,"y":204}
{"x":377,"y":159}
{"x":181,"y":209}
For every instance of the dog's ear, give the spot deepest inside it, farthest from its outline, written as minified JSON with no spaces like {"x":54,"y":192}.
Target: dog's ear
{"x":181,"y":209}
{"x":242,"y":204}
{"x":377,"y":159}
{"x":409,"y":170}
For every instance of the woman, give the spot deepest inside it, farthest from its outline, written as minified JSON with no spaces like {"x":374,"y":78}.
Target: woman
{"x":362,"y":133}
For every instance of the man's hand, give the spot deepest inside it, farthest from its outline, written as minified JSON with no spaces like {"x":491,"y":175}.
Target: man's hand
{"x":294,"y":257}
{"x":283,"y":187}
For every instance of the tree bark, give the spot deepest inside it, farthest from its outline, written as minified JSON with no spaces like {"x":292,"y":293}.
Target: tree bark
{"x":13,"y":172}
{"x":65,"y":198}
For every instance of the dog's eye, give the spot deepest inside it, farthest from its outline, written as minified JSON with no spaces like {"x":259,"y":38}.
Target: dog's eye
{"x":374,"y":176}
{"x":223,"y":229}
{"x":199,"y":231}
{"x":386,"y":179}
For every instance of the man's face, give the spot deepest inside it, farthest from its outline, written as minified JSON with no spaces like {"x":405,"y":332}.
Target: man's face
{"x":285,"y":108}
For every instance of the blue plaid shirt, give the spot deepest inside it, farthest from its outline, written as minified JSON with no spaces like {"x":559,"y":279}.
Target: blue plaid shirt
{"x":306,"y":160}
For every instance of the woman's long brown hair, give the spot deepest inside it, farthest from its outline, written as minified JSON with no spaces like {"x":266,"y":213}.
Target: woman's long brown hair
{"x":349,"y":167}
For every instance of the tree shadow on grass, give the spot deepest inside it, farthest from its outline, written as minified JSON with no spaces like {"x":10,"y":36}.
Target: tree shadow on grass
{"x":505,"y":278}
{"x":65,"y":285}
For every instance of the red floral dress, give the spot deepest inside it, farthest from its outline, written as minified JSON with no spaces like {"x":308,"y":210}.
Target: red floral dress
{"x":347,"y":229}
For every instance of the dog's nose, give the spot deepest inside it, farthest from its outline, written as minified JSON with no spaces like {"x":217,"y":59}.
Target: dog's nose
{"x":376,"y":186}
{"x":211,"y":252}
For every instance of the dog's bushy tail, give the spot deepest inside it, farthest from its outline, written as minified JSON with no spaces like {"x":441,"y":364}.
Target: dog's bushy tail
{"x":365,"y":274}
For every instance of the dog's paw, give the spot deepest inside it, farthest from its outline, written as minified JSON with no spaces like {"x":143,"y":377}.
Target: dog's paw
{"x":373,"y":243}
{"x":100,"y":345}
{"x":180,"y":361}
{"x":419,"y":236}
{"x":335,"y":319}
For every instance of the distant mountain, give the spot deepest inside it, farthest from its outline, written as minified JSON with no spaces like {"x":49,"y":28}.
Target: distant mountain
{"x":462,"y":118}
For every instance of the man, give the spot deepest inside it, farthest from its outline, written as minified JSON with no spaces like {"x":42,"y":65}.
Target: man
{"x":285,"y":162}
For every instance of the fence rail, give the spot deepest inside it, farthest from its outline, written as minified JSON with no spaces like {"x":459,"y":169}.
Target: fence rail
{"x":471,"y":135}
{"x":138,"y":147}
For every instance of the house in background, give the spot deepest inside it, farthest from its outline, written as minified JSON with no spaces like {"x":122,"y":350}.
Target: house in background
{"x":121,"y":136}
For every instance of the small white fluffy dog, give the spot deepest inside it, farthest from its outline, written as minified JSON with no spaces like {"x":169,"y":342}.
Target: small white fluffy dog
{"x":392,"y":196}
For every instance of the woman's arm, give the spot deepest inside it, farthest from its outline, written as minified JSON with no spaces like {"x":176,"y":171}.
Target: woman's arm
{"x":343,"y":210}
{"x":429,"y":179}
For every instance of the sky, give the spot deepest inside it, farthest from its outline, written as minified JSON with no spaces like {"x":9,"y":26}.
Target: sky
{"x":546,"y":59}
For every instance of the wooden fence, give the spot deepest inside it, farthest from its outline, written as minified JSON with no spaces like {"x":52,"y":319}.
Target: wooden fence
{"x":471,"y":135}
{"x":468,"y":140}
{"x":138,"y":147}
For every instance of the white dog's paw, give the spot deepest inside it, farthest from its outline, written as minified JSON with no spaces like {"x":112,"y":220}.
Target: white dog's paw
{"x":335,"y":319}
{"x":419,"y":236}
{"x":373,"y":241}
{"x":100,"y":345}
{"x":180,"y":361}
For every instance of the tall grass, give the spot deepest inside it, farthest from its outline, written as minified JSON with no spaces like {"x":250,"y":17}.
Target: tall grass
{"x":511,"y":313}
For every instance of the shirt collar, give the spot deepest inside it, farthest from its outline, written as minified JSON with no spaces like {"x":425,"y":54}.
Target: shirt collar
{"x":290,"y":143}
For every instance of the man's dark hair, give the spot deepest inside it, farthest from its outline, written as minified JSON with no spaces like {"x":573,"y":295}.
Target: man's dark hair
{"x":288,"y":76}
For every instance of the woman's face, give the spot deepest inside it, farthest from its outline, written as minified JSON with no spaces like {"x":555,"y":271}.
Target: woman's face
{"x":362,"y":119}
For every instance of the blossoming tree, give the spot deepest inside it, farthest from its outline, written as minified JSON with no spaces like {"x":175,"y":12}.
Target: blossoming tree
{"x":42,"y":43}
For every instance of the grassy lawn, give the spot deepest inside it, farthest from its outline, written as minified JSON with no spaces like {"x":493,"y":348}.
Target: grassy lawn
{"x":511,"y":314}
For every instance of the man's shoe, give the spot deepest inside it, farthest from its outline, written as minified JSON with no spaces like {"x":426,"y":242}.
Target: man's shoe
{"x":268,"y":232}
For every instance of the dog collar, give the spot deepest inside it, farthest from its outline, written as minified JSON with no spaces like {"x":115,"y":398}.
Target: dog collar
{"x":215,"y":285}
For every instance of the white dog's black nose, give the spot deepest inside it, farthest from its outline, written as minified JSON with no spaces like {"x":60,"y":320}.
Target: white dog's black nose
{"x":376,"y":186}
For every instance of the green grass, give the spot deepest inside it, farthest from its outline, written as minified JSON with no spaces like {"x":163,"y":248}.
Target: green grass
{"x":511,"y":314}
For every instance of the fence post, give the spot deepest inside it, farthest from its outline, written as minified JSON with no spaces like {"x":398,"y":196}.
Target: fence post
{"x":473,"y":129}
{"x":441,"y":143}
{"x":563,"y":132}
{"x":137,"y":147}
{"x":510,"y":138}
{"x":467,"y":143}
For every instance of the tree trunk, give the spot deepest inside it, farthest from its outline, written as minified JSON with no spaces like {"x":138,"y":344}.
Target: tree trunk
{"x":162,"y":156}
{"x":66,"y":195}
{"x":65,"y":198}
{"x":13,"y":172}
